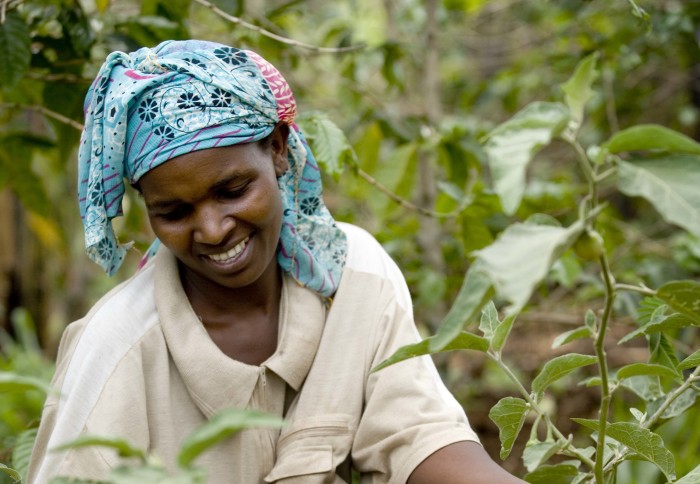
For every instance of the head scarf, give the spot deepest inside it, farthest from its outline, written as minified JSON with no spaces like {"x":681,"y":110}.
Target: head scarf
{"x":152,"y":105}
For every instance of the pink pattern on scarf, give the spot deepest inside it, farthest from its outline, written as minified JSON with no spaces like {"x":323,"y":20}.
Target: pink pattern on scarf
{"x":286,"y":105}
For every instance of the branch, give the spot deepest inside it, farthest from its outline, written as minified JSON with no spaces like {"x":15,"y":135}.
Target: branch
{"x":46,"y":112}
{"x":68,"y":78}
{"x":271,"y":35}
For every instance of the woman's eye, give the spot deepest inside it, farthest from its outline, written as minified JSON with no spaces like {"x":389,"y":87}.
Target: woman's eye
{"x":173,"y":215}
{"x":234,"y":192}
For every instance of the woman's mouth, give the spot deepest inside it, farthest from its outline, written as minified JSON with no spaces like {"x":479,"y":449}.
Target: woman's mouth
{"x":231,"y":253}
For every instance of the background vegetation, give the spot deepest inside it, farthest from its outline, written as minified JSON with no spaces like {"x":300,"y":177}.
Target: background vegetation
{"x":416,"y":86}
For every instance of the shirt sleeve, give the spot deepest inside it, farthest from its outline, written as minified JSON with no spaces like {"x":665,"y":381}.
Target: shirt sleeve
{"x":409,"y":413}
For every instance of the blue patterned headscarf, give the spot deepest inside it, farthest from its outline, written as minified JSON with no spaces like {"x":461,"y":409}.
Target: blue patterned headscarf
{"x":152,"y":105}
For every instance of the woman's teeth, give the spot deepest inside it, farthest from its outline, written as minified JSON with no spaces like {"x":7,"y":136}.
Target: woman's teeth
{"x":231,"y":253}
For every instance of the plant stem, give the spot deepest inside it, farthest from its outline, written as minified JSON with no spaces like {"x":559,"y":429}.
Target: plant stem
{"x":586,"y":168}
{"x":603,"y":365}
{"x":540,"y":413}
{"x":640,"y":289}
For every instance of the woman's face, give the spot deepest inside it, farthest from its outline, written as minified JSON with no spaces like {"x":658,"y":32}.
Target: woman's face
{"x":219,"y":210}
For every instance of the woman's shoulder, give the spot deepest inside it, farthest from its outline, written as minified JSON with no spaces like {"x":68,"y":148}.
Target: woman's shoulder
{"x":367,"y":256}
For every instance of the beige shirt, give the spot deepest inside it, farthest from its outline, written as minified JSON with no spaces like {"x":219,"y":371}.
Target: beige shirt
{"x":141,"y":366}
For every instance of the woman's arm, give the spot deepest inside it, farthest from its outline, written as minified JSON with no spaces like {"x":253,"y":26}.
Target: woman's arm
{"x":461,"y":463}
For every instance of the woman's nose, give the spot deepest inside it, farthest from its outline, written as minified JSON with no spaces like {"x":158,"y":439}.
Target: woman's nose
{"x":214,"y":224}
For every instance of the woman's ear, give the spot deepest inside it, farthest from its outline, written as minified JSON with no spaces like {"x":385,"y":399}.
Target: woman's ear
{"x":278,"y":145}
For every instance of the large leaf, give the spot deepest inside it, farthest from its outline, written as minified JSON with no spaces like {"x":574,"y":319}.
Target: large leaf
{"x":640,"y":440}
{"x":682,"y":296}
{"x":552,"y":474}
{"x":221,"y":426}
{"x":463,"y":341}
{"x":673,"y":321}
{"x":330,"y":145}
{"x":476,"y":290}
{"x":15,"y":49}
{"x":651,"y":137}
{"x":669,"y":183}
{"x":509,"y":415}
{"x":521,"y":257}
{"x":558,"y":368}
{"x":511,"y":146}
{"x":578,"y":88}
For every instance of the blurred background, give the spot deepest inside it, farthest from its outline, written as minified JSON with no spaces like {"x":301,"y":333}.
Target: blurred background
{"x":414,"y":85}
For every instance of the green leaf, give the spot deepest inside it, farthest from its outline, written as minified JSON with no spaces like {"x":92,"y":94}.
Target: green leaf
{"x":559,"y":367}
{"x":509,"y":415}
{"x":662,"y":351}
{"x":669,"y":184}
{"x":651,"y":137}
{"x":15,"y":50}
{"x":122,"y":446}
{"x":489,"y":320}
{"x":330,"y":145}
{"x":12,"y":382}
{"x":682,"y":296}
{"x":682,"y":403}
{"x":14,"y":475}
{"x":569,"y":336}
{"x":221,"y":426}
{"x":22,"y":451}
{"x":537,"y":453}
{"x":512,"y":145}
{"x":552,"y":474}
{"x":578,"y":88}
{"x":636,"y":369}
{"x":644,"y":442}
{"x":673,"y":321}
{"x":692,"y":477}
{"x":521,"y":257}
{"x":476,"y":290}
{"x":463,"y":341}
{"x":646,"y":387}
{"x":502,"y":331}
{"x":690,"y":362}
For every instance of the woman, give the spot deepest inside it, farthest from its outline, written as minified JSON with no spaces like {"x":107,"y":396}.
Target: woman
{"x":256,"y":298}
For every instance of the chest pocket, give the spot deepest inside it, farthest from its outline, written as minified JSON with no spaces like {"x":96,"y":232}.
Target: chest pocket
{"x":310,"y":450}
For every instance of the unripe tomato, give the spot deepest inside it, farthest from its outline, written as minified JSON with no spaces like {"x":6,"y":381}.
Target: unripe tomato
{"x":589,"y":245}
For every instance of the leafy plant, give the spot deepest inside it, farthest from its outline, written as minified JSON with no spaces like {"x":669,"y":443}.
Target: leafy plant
{"x":648,"y":161}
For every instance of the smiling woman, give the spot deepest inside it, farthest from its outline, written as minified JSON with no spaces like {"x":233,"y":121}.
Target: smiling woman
{"x":252,"y":297}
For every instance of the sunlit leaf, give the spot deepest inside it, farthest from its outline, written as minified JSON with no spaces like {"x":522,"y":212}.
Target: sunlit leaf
{"x":509,"y":415}
{"x":463,"y":341}
{"x":552,"y":474}
{"x":511,"y":146}
{"x":220,"y":427}
{"x":651,"y":137}
{"x":15,"y":49}
{"x":521,"y":256}
{"x":558,"y":368}
{"x":578,"y":88}
{"x":669,"y":184}
{"x":476,"y":290}
{"x":489,"y":320}
{"x":644,"y":442}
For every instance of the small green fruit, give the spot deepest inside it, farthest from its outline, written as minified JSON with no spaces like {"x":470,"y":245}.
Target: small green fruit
{"x":589,"y":245}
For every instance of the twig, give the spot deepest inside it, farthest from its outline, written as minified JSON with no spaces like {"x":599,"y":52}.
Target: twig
{"x":46,"y":112}
{"x":271,"y":35}
{"x":410,"y":205}
{"x":69,"y":78}
{"x":640,"y":289}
